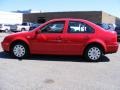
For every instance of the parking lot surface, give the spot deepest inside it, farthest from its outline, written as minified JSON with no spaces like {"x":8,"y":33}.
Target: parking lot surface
{"x":59,"y":72}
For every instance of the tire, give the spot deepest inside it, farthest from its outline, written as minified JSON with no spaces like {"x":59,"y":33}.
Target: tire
{"x":23,"y":29}
{"x":6,"y":30}
{"x":93,"y":53}
{"x":19,"y":50}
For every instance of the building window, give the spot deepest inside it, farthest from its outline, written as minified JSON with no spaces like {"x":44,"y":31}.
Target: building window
{"x":41,"y":20}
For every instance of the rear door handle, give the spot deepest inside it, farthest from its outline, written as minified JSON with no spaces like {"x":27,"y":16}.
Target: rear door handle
{"x":86,"y":38}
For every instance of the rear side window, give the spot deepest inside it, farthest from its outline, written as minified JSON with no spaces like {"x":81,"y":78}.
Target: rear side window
{"x":79,"y":27}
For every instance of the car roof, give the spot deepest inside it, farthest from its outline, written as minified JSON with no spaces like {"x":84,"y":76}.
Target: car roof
{"x":76,"y":19}
{"x":73,"y":19}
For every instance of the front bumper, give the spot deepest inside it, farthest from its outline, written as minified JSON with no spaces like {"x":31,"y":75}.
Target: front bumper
{"x":5,"y":46}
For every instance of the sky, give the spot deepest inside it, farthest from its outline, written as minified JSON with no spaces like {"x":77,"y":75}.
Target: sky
{"x":110,"y":6}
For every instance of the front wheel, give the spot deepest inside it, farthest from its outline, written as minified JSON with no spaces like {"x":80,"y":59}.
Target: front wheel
{"x":19,"y":50}
{"x":93,"y":53}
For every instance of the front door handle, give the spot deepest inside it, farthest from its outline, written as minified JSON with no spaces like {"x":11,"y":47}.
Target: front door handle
{"x":59,"y":38}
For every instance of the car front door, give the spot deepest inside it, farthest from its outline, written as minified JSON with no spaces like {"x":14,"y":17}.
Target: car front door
{"x":49,"y":39}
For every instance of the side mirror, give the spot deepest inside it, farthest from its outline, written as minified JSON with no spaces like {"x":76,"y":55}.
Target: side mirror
{"x":37,"y":32}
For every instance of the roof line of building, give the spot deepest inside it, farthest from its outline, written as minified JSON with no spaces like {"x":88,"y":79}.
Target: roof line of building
{"x":67,"y":11}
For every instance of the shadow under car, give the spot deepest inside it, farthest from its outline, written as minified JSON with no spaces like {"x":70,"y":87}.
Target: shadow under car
{"x":53,"y":58}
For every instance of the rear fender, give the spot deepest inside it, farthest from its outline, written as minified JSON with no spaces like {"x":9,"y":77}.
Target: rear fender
{"x":96,"y":41}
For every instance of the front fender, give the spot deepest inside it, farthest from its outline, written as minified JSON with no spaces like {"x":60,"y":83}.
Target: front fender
{"x":20,"y":39}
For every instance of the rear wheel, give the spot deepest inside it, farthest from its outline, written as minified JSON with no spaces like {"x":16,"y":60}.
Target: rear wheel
{"x":93,"y":53}
{"x":20,"y":50}
{"x":6,"y":30}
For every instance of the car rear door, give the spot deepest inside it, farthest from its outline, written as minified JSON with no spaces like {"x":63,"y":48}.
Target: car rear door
{"x":76,"y":37}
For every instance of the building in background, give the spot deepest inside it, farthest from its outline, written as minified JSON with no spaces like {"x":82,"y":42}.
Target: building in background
{"x":40,"y":17}
{"x":11,"y":18}
{"x":93,"y":16}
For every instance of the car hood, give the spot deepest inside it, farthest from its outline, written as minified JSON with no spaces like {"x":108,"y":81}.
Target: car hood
{"x":17,"y":35}
{"x":20,"y":34}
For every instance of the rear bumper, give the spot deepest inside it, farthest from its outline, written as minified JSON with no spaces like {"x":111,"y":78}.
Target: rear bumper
{"x":112,"y":48}
{"x":2,"y":29}
{"x":118,"y":36}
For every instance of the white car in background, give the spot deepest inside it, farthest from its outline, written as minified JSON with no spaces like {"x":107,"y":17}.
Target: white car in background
{"x":4,"y":27}
{"x":21,"y":27}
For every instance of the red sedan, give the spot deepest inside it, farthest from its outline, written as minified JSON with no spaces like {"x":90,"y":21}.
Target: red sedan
{"x":63,"y":37}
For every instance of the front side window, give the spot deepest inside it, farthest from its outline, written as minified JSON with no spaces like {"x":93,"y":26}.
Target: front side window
{"x":24,"y":24}
{"x":79,"y":27}
{"x":55,"y":27}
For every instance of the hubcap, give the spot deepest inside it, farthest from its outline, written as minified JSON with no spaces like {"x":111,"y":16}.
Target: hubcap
{"x":19,"y":50}
{"x":94,"y":53}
